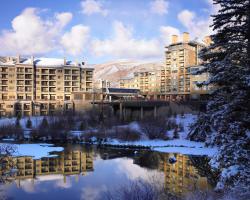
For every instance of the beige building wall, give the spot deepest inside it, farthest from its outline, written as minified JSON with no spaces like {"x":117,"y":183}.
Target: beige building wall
{"x":176,"y":78}
{"x":41,"y":87}
{"x":148,"y":82}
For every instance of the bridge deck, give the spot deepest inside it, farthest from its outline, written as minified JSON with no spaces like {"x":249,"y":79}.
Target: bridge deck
{"x":135,"y":103}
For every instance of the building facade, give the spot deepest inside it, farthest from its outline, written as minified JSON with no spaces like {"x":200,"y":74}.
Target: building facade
{"x":182,"y":177}
{"x":41,"y":86}
{"x":177,"y":80}
{"x":148,"y":82}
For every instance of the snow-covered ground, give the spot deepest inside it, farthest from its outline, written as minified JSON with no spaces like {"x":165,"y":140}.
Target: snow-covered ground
{"x":170,"y":146}
{"x":36,"y":151}
{"x":181,"y":145}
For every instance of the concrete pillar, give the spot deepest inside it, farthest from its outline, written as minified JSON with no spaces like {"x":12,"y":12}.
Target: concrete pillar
{"x":124,"y":114}
{"x":120,"y":111}
{"x":141,"y":112}
{"x":155,"y":111}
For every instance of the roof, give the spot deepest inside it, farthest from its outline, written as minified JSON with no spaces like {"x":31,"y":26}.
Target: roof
{"x":121,"y":90}
{"x":48,"y":62}
{"x":191,"y":43}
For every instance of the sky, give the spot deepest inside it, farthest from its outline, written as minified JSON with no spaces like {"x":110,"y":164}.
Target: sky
{"x":97,"y":31}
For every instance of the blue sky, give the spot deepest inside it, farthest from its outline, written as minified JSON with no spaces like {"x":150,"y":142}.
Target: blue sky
{"x":99,"y":30}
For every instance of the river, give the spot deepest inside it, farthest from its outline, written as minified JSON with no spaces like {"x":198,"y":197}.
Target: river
{"x":88,"y":172}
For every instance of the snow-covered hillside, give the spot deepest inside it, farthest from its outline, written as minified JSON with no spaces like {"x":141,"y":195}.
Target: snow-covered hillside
{"x":116,"y":70}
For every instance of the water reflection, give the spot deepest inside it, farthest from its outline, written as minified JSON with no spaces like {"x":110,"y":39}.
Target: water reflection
{"x":67,"y":163}
{"x":85,"y":173}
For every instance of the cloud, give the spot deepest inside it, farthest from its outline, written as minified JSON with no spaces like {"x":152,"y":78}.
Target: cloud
{"x":30,"y":34}
{"x":195,"y":26}
{"x":167,"y":32}
{"x":122,"y":44}
{"x":75,"y":40}
{"x":92,"y":193}
{"x":159,"y":7}
{"x":90,"y":7}
{"x":63,"y":18}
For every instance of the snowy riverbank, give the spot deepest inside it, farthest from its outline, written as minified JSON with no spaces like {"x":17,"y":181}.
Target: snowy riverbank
{"x":36,"y":151}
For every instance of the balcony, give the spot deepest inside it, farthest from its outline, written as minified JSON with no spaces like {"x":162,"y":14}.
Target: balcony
{"x":52,"y":89}
{"x":52,"y":71}
{"x":75,"y":72}
{"x":28,"y":89}
{"x":52,"y":83}
{"x":45,"y":89}
{"x":67,"y":77}
{"x":29,"y":70}
{"x":20,"y":70}
{"x":4,"y":76}
{"x":67,"y":71}
{"x":20,"y":89}
{"x":45,"y":77}
{"x":26,"y":107}
{"x":28,"y":82}
{"x":45,"y":71}
{"x":45,"y":83}
{"x":28,"y":76}
{"x":5,"y":82}
{"x":52,"y":77}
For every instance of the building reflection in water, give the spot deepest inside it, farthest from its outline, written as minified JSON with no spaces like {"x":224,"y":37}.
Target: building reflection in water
{"x":182,"y":177}
{"x":67,"y":163}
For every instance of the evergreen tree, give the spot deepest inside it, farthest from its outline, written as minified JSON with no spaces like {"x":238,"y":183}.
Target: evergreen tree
{"x":176,"y":134}
{"x":17,"y":123}
{"x":29,"y":123}
{"x":226,"y":121}
{"x":44,"y":124}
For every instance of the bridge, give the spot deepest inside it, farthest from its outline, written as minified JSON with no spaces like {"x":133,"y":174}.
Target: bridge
{"x":133,"y":108}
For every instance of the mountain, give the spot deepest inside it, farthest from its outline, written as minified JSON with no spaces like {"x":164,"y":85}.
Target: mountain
{"x":116,"y":70}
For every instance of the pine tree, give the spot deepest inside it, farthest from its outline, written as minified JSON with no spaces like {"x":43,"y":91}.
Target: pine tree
{"x":227,"y":119}
{"x":17,"y":123}
{"x":176,"y":134}
{"x":29,"y":123}
{"x":44,"y":124}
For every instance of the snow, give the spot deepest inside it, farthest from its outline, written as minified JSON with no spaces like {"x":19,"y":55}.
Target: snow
{"x":188,"y":151}
{"x":170,"y":146}
{"x":35,"y":150}
{"x":48,"y":62}
{"x":186,"y":121}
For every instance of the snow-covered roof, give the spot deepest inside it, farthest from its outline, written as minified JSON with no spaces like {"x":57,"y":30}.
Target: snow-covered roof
{"x":47,"y":62}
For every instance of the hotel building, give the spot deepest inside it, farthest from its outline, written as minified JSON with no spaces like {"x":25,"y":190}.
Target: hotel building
{"x":177,"y":81}
{"x":147,"y":81}
{"x":42,"y":86}
{"x":182,"y":177}
{"x":66,"y":163}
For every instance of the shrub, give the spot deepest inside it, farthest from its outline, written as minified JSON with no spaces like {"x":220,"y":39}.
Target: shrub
{"x":126,"y":134}
{"x":154,"y":129}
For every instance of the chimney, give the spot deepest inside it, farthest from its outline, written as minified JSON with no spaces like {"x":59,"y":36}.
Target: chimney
{"x":64,"y":61}
{"x":207,"y":40}
{"x":18,"y":58}
{"x":32,"y":60}
{"x":174,"y":39}
{"x":185,"y":36}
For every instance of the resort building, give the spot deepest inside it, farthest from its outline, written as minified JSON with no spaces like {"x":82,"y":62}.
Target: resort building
{"x":148,"y":82}
{"x":42,"y":86}
{"x":67,"y":163}
{"x":177,"y":81}
{"x":182,"y":177}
